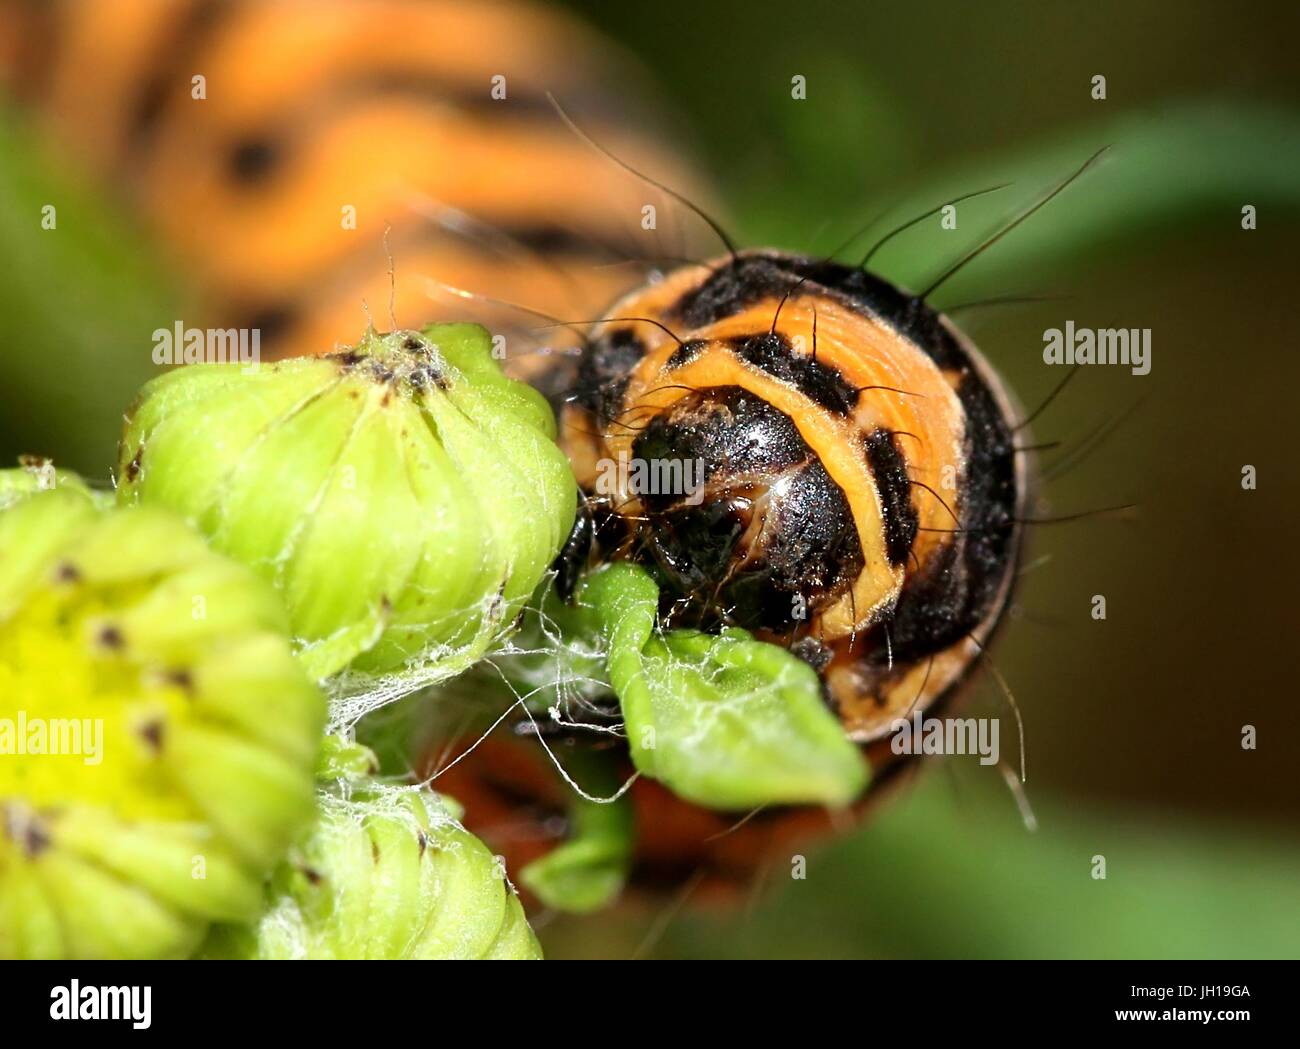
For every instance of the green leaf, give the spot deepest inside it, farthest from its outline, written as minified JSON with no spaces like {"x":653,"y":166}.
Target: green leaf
{"x":723,"y":721}
{"x":1165,"y":169}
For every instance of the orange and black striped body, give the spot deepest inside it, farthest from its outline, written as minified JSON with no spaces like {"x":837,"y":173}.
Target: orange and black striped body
{"x":858,"y":467}
{"x":245,"y":130}
{"x":861,"y":488}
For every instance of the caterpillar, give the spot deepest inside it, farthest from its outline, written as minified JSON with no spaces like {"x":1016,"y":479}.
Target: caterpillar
{"x":298,"y":159}
{"x":860,"y":484}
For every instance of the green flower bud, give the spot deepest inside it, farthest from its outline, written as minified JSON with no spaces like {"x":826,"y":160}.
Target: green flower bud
{"x":387,"y":873}
{"x":36,"y":474}
{"x":157,"y":736}
{"x":404,"y":496}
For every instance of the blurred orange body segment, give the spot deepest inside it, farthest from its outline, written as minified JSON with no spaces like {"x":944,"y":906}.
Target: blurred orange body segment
{"x":313,"y":166}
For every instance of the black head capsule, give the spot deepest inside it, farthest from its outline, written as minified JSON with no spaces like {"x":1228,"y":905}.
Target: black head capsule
{"x":757,"y":525}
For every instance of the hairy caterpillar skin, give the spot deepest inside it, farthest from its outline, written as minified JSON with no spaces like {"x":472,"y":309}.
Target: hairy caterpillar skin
{"x":860,"y":484}
{"x":385,"y":107}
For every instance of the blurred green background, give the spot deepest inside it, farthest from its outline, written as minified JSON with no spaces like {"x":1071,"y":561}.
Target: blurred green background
{"x":1133,"y":724}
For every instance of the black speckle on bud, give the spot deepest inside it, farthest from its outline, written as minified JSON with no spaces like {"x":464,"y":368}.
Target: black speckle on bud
{"x":67,"y":572}
{"x":23,"y":828}
{"x":423,"y":376}
{"x":35,"y":840}
{"x":153,"y":732}
{"x":498,"y":601}
{"x":110,"y":637}
{"x":182,"y":679}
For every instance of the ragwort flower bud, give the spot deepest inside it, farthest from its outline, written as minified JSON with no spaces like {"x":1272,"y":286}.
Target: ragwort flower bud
{"x":404,"y":496}
{"x":387,"y":873}
{"x":157,"y":736}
